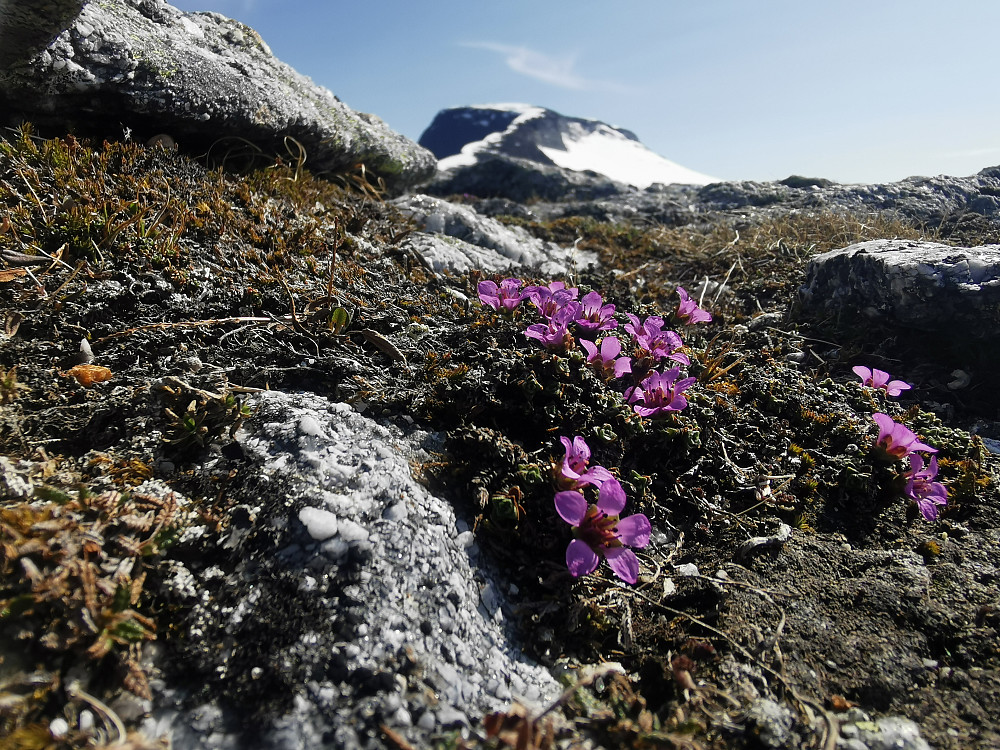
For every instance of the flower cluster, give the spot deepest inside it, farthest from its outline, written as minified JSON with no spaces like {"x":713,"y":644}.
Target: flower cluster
{"x":652,"y":391}
{"x":598,"y":528}
{"x":897,"y":441}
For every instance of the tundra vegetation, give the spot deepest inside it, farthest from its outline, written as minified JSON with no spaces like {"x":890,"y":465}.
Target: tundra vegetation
{"x":146,"y":296}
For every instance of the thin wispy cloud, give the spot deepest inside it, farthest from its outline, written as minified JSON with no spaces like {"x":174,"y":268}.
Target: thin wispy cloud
{"x":988,"y":151}
{"x":555,"y":70}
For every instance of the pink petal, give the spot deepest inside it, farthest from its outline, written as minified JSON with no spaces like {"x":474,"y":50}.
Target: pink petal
{"x":680,"y":357}
{"x":590,"y":347}
{"x":928,"y":509}
{"x":885,"y":424}
{"x":634,"y":530}
{"x":581,"y":559}
{"x":684,"y":384}
{"x":596,"y":476}
{"x":895,"y":387}
{"x":880,"y":378}
{"x":611,"y":347}
{"x":677,"y":403}
{"x":624,"y":563}
{"x":611,"y":498}
{"x":571,"y":506}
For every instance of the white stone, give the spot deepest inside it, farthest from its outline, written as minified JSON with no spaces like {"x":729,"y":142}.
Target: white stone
{"x":321,"y":524}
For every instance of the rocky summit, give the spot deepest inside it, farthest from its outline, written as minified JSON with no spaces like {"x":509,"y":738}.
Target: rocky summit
{"x":467,"y":137}
{"x":312,"y":449}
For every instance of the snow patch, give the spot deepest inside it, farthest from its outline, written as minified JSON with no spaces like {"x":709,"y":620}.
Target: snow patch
{"x":610,"y":153}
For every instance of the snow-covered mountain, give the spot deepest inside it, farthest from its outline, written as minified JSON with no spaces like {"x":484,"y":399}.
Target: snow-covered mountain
{"x":461,"y":136}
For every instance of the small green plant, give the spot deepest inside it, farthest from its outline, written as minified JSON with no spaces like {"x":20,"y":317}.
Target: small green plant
{"x":196,"y":417}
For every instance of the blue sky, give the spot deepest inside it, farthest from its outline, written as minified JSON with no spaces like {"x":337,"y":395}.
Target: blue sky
{"x":851,"y":90}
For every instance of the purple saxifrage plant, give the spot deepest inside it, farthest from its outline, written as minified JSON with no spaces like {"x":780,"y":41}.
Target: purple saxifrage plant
{"x":507,"y":294}
{"x":554,"y":335}
{"x":880,"y":379}
{"x":601,"y":532}
{"x":594,"y":315}
{"x":604,"y":358}
{"x":549,"y":299}
{"x":688,"y":310}
{"x":660,"y":394}
{"x":921,"y":487}
{"x":653,"y":343}
{"x":897,"y":440}
{"x":575,"y":472}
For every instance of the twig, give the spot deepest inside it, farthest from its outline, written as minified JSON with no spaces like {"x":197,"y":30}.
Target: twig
{"x":291,"y":301}
{"x":75,"y":691}
{"x":186,"y":324}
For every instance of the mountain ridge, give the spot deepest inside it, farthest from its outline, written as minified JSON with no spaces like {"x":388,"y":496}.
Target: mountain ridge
{"x":464,"y":136}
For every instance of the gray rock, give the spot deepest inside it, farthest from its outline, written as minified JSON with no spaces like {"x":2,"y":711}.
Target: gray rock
{"x":458,"y":238}
{"x":14,"y":483}
{"x":888,"y":733}
{"x":921,"y":284}
{"x":770,"y":723}
{"x":378,"y":640}
{"x":26,"y":28}
{"x":923,"y":200}
{"x":519,"y":179}
{"x":199,"y":77}
{"x":949,"y":202}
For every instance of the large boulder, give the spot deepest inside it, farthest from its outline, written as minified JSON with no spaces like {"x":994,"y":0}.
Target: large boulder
{"x":366,"y":599}
{"x":922,"y":284}
{"x":201,"y":78}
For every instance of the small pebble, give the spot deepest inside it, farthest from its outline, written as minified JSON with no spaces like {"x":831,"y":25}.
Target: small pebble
{"x":427,"y":722}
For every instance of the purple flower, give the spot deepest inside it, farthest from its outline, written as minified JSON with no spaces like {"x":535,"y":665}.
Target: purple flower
{"x":641,"y":331}
{"x":895,"y":439}
{"x":881,"y":379}
{"x":600,"y":532}
{"x":574,"y":472}
{"x":653,"y":343}
{"x":922,"y":489}
{"x":688,"y":309}
{"x":595,"y":315}
{"x":660,"y":394}
{"x":508,"y":295}
{"x":549,"y":299}
{"x":604,"y":360}
{"x":554,"y":335}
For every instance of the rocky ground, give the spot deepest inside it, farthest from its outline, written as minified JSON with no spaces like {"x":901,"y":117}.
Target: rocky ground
{"x":273,"y":476}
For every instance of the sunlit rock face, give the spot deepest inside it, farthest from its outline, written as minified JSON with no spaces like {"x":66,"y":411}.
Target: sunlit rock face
{"x":922,"y":284}
{"x":147,"y":68}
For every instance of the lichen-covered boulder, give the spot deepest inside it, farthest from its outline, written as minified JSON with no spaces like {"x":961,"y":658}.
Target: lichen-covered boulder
{"x":458,"y":238}
{"x":198,"y":77}
{"x":922,"y":284}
